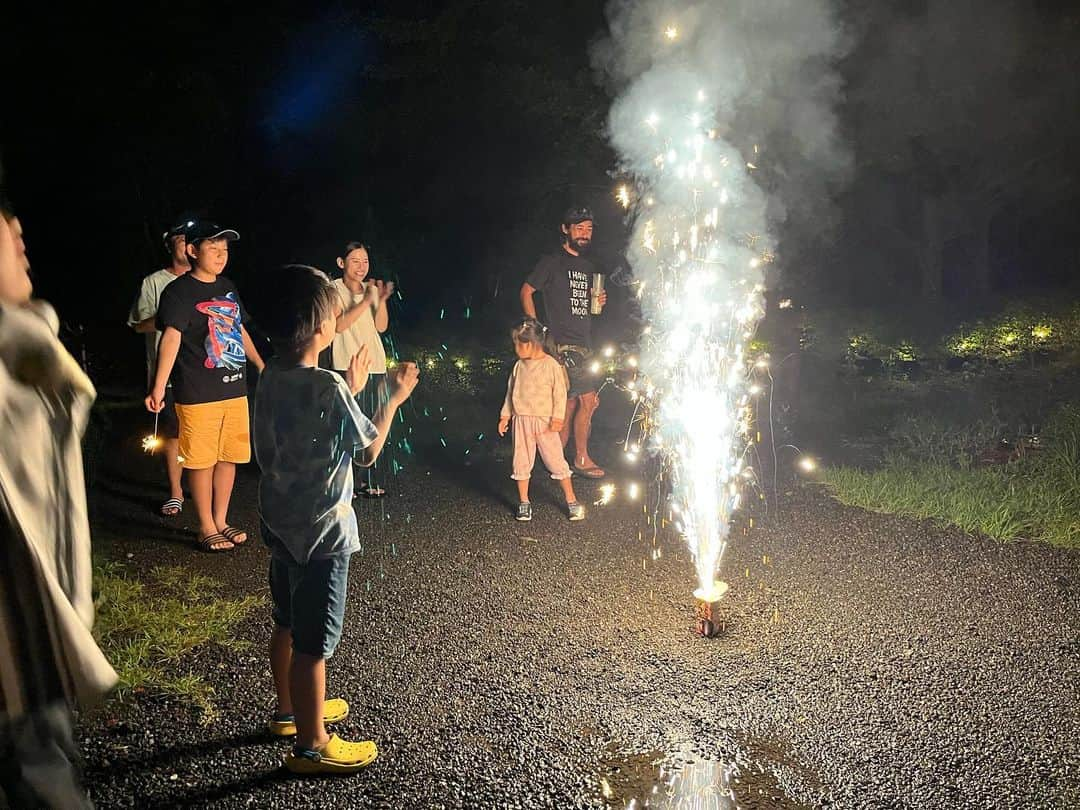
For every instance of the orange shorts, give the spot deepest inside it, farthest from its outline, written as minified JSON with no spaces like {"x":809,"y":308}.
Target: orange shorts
{"x":214,"y":431}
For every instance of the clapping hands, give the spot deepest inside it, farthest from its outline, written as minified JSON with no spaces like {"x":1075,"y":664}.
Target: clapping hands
{"x":376,"y":291}
{"x":356,"y":375}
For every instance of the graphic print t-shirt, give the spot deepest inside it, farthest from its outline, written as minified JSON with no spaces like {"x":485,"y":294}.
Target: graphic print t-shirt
{"x":564,"y":281}
{"x":211,"y":362}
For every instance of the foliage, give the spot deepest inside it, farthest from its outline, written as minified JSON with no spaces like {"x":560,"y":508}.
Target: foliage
{"x":1016,"y":333}
{"x":933,"y":439}
{"x":1036,"y":497}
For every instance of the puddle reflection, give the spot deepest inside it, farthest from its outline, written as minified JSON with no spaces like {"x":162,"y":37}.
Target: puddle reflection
{"x":684,"y":781}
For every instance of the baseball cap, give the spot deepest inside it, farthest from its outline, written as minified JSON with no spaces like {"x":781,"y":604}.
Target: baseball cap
{"x":179,"y":228}
{"x":201,"y":229}
{"x":576,"y":215}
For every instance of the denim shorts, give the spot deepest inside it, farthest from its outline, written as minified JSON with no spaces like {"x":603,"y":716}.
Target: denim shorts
{"x":580,"y":378}
{"x":310,"y":600}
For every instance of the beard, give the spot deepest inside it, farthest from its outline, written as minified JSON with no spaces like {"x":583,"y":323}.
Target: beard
{"x":580,"y":245}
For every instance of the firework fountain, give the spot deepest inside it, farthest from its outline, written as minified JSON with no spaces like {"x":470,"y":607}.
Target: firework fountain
{"x":702,"y":90}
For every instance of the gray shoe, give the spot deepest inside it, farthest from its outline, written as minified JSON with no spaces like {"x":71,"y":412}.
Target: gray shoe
{"x":577,"y":511}
{"x":524,"y":511}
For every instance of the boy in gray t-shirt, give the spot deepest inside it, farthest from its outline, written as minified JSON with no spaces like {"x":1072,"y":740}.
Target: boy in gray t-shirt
{"x":308,"y":431}
{"x":142,"y":318}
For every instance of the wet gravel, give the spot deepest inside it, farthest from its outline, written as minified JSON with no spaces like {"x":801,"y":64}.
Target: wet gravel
{"x":868,"y":661}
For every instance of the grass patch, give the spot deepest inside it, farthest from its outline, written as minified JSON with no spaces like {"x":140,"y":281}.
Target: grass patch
{"x":145,"y":628}
{"x":1036,"y":497}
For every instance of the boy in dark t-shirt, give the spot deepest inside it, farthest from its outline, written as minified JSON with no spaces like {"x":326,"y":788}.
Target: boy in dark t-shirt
{"x":205,"y":347}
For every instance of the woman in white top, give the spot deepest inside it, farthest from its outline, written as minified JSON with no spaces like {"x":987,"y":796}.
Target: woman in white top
{"x":361,"y":319}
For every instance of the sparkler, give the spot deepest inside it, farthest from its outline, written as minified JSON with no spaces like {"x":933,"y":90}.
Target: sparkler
{"x":153,"y":441}
{"x":607,"y":492}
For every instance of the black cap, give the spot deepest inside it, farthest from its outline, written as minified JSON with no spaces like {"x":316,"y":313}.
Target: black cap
{"x":177,"y":229}
{"x":576,"y":215}
{"x":201,"y":229}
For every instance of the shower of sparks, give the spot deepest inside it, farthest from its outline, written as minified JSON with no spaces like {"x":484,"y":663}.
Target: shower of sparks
{"x":807,"y":464}
{"x":701,"y":245}
{"x":623,"y":196}
{"x":672,"y":33}
{"x":607,"y":492}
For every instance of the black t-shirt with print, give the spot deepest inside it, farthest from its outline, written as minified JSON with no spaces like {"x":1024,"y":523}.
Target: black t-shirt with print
{"x":564,"y":281}
{"x":211,"y":362}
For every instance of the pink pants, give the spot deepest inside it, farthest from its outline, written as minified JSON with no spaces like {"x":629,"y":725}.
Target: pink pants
{"x":531,"y":433}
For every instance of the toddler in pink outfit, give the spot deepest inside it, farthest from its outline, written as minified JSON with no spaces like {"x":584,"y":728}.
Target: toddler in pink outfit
{"x":536,"y":402}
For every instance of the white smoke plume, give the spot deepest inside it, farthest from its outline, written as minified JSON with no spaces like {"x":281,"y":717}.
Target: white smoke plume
{"x":725,"y":118}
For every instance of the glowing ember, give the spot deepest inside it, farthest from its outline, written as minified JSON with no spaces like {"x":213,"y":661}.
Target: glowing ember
{"x":714,"y":593}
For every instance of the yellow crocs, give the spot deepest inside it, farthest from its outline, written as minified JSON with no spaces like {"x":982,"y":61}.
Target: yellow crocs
{"x":337,"y":756}
{"x":334,"y":711}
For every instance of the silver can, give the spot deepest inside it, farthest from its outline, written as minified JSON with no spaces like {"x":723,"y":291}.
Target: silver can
{"x":595,"y":307}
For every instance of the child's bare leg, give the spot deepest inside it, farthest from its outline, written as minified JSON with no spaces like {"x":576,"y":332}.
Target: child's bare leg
{"x":568,"y":490}
{"x":280,"y":664}
{"x":201,"y":483}
{"x":307,"y":686}
{"x":224,"y":477}
{"x":172,"y":468}
{"x":523,"y":490}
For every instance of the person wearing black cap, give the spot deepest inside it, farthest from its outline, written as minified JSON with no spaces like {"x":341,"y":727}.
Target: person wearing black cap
{"x":564,"y":279}
{"x":204,"y":341}
{"x":141,"y":318}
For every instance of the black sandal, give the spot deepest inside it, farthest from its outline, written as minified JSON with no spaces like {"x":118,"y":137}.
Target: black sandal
{"x":365,"y":491}
{"x":172,"y":507}
{"x":233,"y":535}
{"x":209,"y":542}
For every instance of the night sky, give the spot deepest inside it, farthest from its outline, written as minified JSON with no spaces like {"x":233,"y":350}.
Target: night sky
{"x":451,"y":135}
